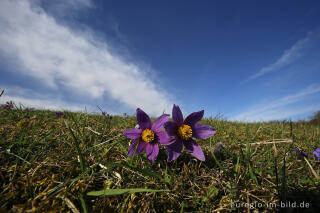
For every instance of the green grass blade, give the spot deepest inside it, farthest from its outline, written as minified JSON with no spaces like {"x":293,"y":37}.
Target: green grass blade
{"x":250,"y":166}
{"x":182,"y":207}
{"x":146,"y":172}
{"x":111,"y":147}
{"x":283,"y":180}
{"x":109,"y":192}
{"x":252,"y":175}
{"x":237,"y":165}
{"x":220,"y":166}
{"x":167,"y":179}
{"x":83,"y":204}
{"x":82,"y":167}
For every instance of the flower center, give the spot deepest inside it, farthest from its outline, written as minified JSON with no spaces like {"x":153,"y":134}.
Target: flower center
{"x":147,"y":135}
{"x":185,"y":132}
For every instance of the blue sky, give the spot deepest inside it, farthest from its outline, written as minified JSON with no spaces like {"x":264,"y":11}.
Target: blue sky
{"x":245,"y":60}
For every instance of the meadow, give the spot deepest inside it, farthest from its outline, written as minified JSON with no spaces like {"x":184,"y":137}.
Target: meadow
{"x":78,"y":163}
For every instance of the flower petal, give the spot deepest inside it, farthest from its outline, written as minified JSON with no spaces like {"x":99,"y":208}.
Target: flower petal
{"x":296,"y":149}
{"x":177,"y":114}
{"x":174,"y":150}
{"x":137,"y":147}
{"x":164,"y":138}
{"x":132,"y":133}
{"x":171,"y":128}
{"x":316,"y":155}
{"x":141,"y":147}
{"x":305,"y":154}
{"x":202,"y":131}
{"x":155,"y":152}
{"x":194,"y":118}
{"x":158,"y":124}
{"x":194,"y":149}
{"x":318,"y":150}
{"x":132,"y":148}
{"x":143,"y":119}
{"x":149,"y":148}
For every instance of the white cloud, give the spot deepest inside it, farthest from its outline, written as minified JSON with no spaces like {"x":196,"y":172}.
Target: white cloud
{"x":60,"y":58}
{"x":284,"y":113}
{"x":77,"y":3}
{"x":288,"y":57}
{"x":278,"y":109}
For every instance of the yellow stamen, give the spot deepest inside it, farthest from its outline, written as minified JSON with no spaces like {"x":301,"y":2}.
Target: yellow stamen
{"x":185,"y":132}
{"x":147,"y":135}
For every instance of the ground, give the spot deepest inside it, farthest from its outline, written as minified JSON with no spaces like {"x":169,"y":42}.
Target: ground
{"x":62,"y":164}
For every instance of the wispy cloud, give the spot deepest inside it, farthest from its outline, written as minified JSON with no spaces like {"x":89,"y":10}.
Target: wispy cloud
{"x":289,"y":56}
{"x":63,"y":8}
{"x":279,"y":108}
{"x":63,"y":59}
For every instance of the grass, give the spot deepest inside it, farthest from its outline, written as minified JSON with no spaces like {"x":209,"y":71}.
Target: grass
{"x":79,"y":164}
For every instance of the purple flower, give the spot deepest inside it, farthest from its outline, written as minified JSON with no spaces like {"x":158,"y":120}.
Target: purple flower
{"x":316,"y":154}
{"x":300,"y":153}
{"x":107,"y":115}
{"x":183,"y":132}
{"x":304,"y":154}
{"x":146,"y":138}
{"x":9,"y":105}
{"x":60,"y":115}
{"x":297,"y":150}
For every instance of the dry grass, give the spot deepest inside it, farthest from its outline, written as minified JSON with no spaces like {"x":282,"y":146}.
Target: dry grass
{"x":41,"y":172}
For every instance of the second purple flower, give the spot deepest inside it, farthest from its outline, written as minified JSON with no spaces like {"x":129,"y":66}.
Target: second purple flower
{"x":316,"y":154}
{"x":183,"y":132}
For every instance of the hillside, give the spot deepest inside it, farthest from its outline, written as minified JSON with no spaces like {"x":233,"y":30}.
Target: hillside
{"x":62,"y":164}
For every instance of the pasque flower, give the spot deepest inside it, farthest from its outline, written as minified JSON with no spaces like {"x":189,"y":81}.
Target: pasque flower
{"x":183,"y":131}
{"x":60,"y":115}
{"x":148,"y":136}
{"x":107,"y":115}
{"x":9,"y":105}
{"x":316,"y":154}
{"x":300,"y":153}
